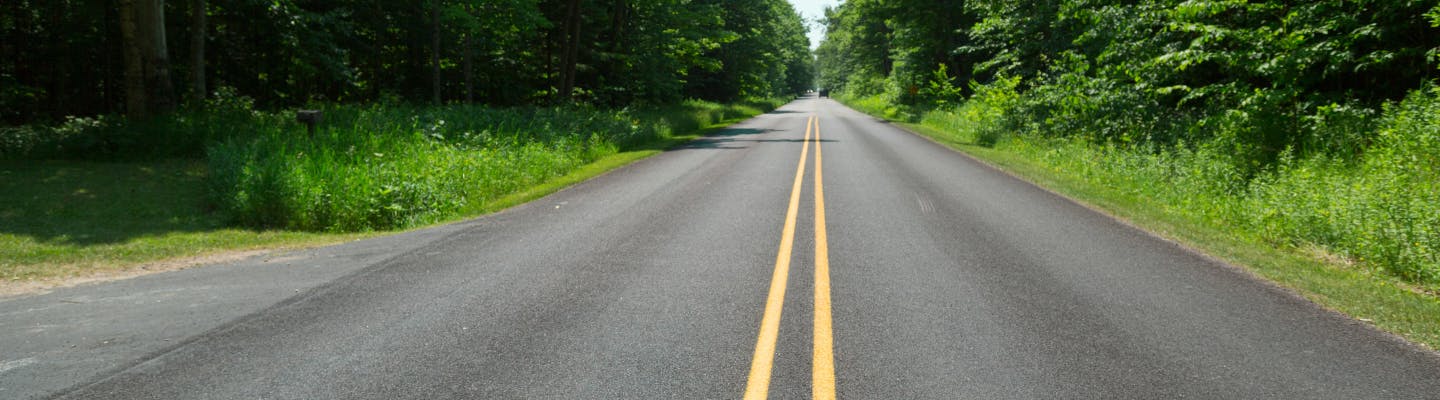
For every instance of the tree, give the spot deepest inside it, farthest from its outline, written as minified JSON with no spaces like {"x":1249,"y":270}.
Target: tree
{"x":764,"y":53}
{"x":435,"y":51}
{"x":86,"y":57}
{"x":147,"y":64}
{"x":197,"y":51}
{"x":570,"y":50}
{"x":856,"y":57}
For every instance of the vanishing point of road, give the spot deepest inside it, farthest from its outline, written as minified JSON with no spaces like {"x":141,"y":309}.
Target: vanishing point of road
{"x":811,"y":252}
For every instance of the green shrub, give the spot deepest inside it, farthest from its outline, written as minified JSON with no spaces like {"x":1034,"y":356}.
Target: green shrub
{"x":1383,"y":210}
{"x":393,"y":167}
{"x":1376,"y":204}
{"x":384,"y":166}
{"x":388,"y":167}
{"x":183,"y":134}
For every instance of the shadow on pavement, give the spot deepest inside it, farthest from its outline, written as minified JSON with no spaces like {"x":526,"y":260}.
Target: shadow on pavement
{"x":730,"y":139}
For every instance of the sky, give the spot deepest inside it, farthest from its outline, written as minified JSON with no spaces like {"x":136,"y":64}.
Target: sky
{"x":813,"y":10}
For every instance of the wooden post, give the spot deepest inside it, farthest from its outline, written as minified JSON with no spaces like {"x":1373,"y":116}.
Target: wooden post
{"x":310,"y":118}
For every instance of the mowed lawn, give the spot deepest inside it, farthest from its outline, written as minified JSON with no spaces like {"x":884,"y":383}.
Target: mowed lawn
{"x":62,"y":219}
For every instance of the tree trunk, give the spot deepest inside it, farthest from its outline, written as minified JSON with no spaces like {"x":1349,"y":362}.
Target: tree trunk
{"x":197,"y":52}
{"x":621,"y":16}
{"x":469,"y":69}
{"x":134,"y":65}
{"x":435,"y":51}
{"x":571,"y":49}
{"x":150,"y":19}
{"x":549,"y":54}
{"x":148,"y":90}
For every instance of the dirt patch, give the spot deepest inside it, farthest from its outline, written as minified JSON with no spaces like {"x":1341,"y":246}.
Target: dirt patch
{"x":40,"y":286}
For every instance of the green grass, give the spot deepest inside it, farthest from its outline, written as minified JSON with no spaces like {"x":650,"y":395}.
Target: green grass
{"x":64,"y":219}
{"x":61,"y":219}
{"x":704,"y":123}
{"x":382,"y":168}
{"x":1129,"y":185}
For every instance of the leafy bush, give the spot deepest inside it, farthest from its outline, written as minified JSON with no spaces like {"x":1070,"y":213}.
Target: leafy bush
{"x":379,"y":167}
{"x":1382,"y":211}
{"x":182,"y":134}
{"x":694,"y":115}
{"x":985,"y":118}
{"x":73,"y":137}
{"x":387,"y":167}
{"x":393,"y":167}
{"x":941,"y":89}
{"x":865,"y":84}
{"x":1375,"y":204}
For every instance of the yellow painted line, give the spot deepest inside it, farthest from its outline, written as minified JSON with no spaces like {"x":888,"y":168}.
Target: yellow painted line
{"x":757,"y":386}
{"x":822,"y":373}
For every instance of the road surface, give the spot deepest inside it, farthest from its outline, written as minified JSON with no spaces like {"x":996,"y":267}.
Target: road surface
{"x":806,"y":253}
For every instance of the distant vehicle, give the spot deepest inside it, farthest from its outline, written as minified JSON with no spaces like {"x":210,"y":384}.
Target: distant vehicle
{"x":824,"y":92}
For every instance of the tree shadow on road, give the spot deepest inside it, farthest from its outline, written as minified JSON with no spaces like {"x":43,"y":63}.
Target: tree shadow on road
{"x":734,"y":139}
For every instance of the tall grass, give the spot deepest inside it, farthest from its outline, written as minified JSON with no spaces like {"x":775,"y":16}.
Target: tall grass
{"x":692,"y":116}
{"x":375,"y":168}
{"x":879,"y":105}
{"x":1383,"y":209}
{"x":180,"y":135}
{"x":390,"y":167}
{"x":1379,"y":208}
{"x":371,"y":167}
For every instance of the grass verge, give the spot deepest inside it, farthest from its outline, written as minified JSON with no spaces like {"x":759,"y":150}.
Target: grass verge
{"x":385,"y":168}
{"x":1390,"y":303}
{"x":591,"y":170}
{"x":63,"y":221}
{"x":69,"y":219}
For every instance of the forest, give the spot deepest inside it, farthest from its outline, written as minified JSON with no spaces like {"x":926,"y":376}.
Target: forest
{"x":1302,"y":123}
{"x":548,"y":85}
{"x":97,"y":57}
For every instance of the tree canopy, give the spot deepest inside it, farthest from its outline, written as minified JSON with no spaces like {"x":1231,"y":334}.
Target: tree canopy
{"x":68,"y":57}
{"x":1146,"y":70}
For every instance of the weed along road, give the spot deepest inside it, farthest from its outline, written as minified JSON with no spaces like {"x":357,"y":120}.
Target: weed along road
{"x":812,"y":252}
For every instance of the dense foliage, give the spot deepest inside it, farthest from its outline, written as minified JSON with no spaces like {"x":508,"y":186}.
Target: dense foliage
{"x":1303,"y":121}
{"x":62,"y":58}
{"x":895,"y":47}
{"x":431,"y":108}
{"x":1266,"y":76}
{"x":386,"y":167}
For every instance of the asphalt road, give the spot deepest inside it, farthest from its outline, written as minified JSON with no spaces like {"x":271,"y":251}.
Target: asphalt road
{"x":931,"y":276}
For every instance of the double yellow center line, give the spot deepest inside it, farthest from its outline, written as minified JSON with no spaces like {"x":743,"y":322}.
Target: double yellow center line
{"x":823,"y":359}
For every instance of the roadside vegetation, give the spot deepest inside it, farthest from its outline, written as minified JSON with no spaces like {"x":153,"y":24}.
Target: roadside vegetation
{"x":1300,"y":140}
{"x":431,"y":112}
{"x":269,"y":185}
{"x":80,"y":218}
{"x":390,"y":167}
